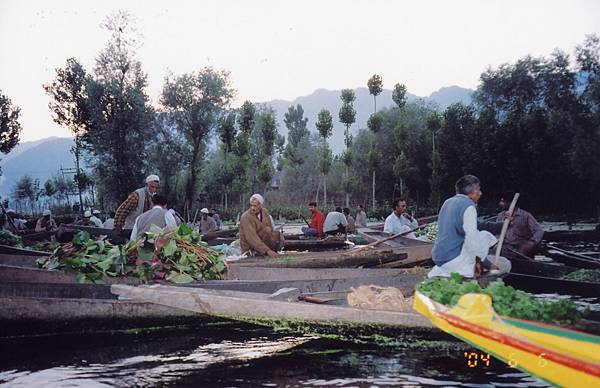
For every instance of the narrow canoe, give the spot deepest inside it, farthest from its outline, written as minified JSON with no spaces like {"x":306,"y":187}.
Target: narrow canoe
{"x":557,"y":355}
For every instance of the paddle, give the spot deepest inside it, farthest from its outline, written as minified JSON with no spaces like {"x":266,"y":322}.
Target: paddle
{"x":375,"y":243}
{"x":507,"y":220}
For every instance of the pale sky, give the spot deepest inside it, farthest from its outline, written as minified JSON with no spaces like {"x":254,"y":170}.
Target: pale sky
{"x":286,"y":49}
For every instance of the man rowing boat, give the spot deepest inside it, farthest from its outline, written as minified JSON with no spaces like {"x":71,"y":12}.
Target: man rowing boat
{"x":460,"y":246}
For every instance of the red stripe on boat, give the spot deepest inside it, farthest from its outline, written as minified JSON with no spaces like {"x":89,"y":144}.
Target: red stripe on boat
{"x":573,"y":363}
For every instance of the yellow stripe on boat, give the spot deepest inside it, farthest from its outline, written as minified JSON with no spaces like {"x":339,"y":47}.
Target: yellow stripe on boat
{"x":560,"y":356}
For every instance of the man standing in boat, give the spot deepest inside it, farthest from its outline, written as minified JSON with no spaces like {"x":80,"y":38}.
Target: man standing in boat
{"x":257,"y":232}
{"x":460,"y":246}
{"x":524,"y":234}
{"x":137,"y":202}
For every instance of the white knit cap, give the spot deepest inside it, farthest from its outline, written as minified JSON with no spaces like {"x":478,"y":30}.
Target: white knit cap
{"x":46,"y":212}
{"x":257,"y":197}
{"x":87,"y":214}
{"x":96,"y":212}
{"x":204,"y":210}
{"x":152,"y":178}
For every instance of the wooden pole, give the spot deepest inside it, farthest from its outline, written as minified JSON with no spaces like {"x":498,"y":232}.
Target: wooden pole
{"x":375,"y":243}
{"x":507,"y":220}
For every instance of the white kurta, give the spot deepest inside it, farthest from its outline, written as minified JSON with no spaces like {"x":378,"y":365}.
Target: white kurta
{"x":477,"y":244}
{"x":395,"y":225}
{"x":169,"y":221}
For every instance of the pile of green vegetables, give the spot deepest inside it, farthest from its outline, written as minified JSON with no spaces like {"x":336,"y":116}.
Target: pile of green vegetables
{"x":584,"y":275}
{"x":176,"y":256}
{"x":505,"y":299}
{"x":430,"y":230}
{"x":10,"y":239}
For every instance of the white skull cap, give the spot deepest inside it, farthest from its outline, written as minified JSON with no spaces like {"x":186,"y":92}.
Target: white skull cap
{"x":152,"y":178}
{"x":257,"y":197}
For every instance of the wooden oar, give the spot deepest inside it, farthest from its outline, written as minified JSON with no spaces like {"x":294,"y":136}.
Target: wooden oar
{"x":375,"y":243}
{"x":507,"y":220}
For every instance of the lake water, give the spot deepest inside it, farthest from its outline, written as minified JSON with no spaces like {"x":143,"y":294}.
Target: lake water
{"x":231,"y":354}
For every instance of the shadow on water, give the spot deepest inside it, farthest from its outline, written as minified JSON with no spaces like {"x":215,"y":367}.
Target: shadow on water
{"x":236,"y":354}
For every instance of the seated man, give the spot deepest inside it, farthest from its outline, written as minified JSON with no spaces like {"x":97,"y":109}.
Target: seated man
{"x":335,"y":223}
{"x":257,"y":234}
{"x":351,"y":228}
{"x":459,"y":246}
{"x":13,"y":223}
{"x":86,"y":220}
{"x":95,"y":220}
{"x":524,"y":234}
{"x":400,"y":221}
{"x":315,"y":226}
{"x":158,"y":216}
{"x":207,"y":223}
{"x":46,"y":223}
{"x":361,"y":217}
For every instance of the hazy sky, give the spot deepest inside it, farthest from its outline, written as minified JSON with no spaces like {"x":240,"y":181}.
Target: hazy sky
{"x":284,"y":49}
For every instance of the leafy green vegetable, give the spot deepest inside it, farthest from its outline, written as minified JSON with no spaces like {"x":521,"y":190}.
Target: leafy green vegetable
{"x":10,"y":239}
{"x":505,"y":299}
{"x":177,"y":256}
{"x":584,"y":275}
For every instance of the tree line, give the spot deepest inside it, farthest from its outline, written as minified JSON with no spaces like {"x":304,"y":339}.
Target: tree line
{"x":533,"y":126}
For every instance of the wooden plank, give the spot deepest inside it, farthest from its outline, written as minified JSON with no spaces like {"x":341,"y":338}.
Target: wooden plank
{"x":220,"y":233}
{"x":5,"y":249}
{"x":64,"y":310}
{"x":227,"y":306}
{"x":237,"y":272}
{"x":541,"y":284}
{"x":347,"y":259}
{"x":19,"y":260}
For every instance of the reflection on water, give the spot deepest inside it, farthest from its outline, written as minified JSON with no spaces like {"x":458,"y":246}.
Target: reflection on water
{"x":236,"y":355}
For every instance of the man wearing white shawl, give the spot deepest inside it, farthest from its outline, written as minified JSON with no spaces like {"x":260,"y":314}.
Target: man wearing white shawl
{"x":459,"y":243}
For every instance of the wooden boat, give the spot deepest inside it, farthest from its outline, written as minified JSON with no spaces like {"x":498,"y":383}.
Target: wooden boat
{"x":65,"y":233}
{"x":286,"y":304}
{"x":297,"y":243}
{"x":589,"y":235}
{"x":20,"y":256}
{"x":557,"y":355}
{"x":223,"y":233}
{"x":573,"y":259}
{"x":31,"y":307}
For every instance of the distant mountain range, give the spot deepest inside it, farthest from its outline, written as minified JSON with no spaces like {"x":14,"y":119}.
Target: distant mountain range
{"x":330,"y":100}
{"x":41,"y":159}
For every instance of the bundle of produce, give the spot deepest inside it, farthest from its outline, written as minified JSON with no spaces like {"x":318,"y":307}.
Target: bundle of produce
{"x":505,"y":299}
{"x":584,"y":275}
{"x":430,"y":231}
{"x":177,"y":256}
{"x":10,"y":239}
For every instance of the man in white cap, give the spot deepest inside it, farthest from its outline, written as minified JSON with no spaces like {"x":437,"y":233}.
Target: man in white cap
{"x":12,"y":223}
{"x":257,"y":234}
{"x":95,"y":220}
{"x":86,"y":220}
{"x":46,"y":223}
{"x":137,"y":202}
{"x":207,"y":223}
{"x":158,"y":216}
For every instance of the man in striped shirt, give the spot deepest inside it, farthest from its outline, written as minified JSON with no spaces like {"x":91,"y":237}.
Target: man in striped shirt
{"x":137,"y":202}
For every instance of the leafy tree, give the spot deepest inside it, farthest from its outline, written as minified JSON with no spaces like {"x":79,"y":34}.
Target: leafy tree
{"x":196,"y":102}
{"x":121,"y":116}
{"x":241,"y":150}
{"x":297,"y":131}
{"x":264,"y":149}
{"x":375,"y":85}
{"x":433,"y":124}
{"x":10,"y":128}
{"x":347,"y":117}
{"x":69,"y":105}
{"x":399,"y":95}
{"x":375,"y":124}
{"x":325,"y":127}
{"x":227,"y":133}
